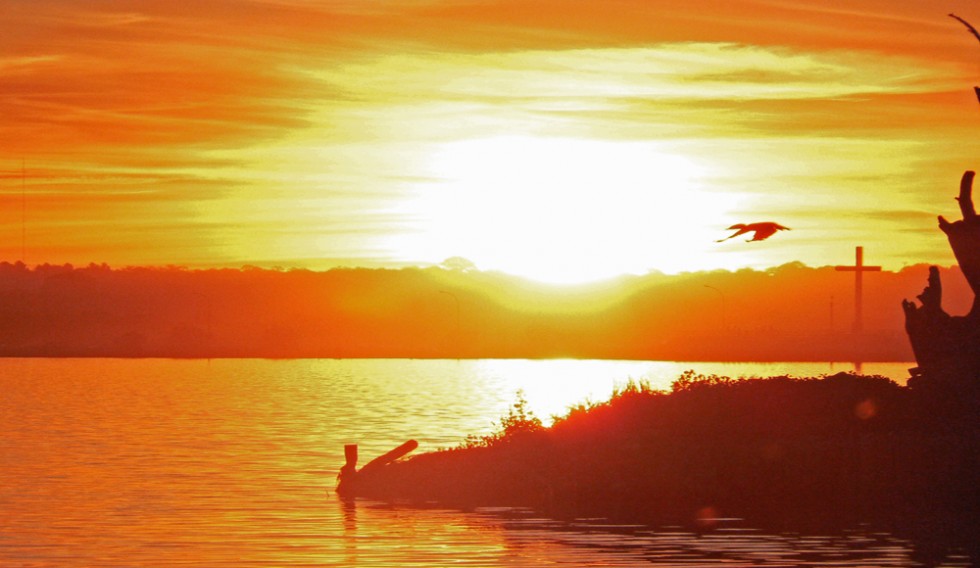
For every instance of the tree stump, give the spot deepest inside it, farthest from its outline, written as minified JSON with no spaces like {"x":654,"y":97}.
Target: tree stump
{"x":947,"y":348}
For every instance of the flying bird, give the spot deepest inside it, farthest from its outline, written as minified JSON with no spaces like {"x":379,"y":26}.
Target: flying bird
{"x":762,"y":230}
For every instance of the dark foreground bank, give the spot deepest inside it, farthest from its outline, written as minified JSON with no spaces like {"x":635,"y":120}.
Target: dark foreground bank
{"x":782,"y":452}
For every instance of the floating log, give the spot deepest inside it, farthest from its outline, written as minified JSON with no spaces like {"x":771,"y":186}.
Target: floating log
{"x":389,"y":457}
{"x":349,"y":474}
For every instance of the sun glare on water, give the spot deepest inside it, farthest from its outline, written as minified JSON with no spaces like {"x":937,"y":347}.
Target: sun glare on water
{"x":565,"y":210}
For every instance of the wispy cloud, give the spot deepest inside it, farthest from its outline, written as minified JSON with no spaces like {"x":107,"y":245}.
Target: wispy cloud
{"x":688,"y":71}
{"x":231,"y":118}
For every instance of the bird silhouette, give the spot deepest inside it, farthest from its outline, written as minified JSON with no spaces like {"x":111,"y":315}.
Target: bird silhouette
{"x":762,"y":230}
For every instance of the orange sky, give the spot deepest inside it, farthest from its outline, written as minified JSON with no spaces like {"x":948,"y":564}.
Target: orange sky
{"x":555,"y":139}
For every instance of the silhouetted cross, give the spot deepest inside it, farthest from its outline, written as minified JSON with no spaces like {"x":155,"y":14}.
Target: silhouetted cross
{"x":858,"y":269}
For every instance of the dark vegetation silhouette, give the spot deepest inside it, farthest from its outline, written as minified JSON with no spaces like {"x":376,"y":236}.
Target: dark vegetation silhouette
{"x":796,"y":454}
{"x":95,"y":310}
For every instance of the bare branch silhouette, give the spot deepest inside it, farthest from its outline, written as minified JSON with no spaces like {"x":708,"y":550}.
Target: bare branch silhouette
{"x":972,"y":29}
{"x":976,"y":34}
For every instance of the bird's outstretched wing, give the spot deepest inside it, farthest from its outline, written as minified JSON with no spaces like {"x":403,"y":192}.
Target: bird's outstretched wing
{"x":742,"y":229}
{"x":762,"y":230}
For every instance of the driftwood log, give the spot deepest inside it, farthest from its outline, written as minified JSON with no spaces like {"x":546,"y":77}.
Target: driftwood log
{"x":350,"y":479}
{"x":947,"y":348}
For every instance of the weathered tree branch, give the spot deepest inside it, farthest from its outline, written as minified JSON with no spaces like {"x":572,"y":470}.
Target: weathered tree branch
{"x":964,"y":238}
{"x":925,"y":324}
{"x":976,"y":34}
{"x":947,"y":348}
{"x":967,"y":24}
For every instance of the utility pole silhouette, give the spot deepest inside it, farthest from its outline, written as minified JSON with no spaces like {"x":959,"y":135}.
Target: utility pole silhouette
{"x":23,"y":212}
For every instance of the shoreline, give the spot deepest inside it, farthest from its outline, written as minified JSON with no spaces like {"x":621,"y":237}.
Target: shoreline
{"x":777,"y":452}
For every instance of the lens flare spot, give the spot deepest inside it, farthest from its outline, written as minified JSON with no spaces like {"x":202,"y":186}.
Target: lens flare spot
{"x":866,"y":409}
{"x":706,"y":517}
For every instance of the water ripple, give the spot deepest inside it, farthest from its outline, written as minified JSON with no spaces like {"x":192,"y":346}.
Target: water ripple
{"x":112,"y":463}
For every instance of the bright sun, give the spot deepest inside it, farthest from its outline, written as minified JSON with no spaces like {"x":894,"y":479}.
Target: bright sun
{"x":565,"y":210}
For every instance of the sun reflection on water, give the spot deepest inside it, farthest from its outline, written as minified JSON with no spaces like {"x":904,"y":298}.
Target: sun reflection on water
{"x":232,"y":462}
{"x":552,"y":386}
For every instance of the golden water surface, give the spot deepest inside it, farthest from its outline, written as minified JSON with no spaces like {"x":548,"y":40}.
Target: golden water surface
{"x":109,"y":462}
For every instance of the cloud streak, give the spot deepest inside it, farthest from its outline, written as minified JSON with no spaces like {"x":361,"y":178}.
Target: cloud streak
{"x":230,"y":117}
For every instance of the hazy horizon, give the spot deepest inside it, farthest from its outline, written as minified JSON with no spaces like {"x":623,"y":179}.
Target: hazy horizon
{"x":790,"y":312}
{"x":284,"y":267}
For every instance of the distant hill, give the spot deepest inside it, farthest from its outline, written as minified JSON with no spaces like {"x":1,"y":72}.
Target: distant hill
{"x":792,"y":312}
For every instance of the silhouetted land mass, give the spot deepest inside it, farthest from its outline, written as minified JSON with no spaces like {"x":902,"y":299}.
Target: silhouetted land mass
{"x":454,"y":313}
{"x":785,"y":453}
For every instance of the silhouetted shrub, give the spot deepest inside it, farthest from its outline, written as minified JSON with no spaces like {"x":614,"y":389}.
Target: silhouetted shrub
{"x":813,"y":450}
{"x":690,"y":380}
{"x":519,"y":422}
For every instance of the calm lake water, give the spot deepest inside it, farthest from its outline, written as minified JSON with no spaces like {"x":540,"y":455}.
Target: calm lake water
{"x":111,"y":462}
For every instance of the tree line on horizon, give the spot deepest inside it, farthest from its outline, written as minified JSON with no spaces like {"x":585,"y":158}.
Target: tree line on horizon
{"x":791,"y":312}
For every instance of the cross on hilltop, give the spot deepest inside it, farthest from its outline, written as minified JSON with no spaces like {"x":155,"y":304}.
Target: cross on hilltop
{"x":858,"y":269}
